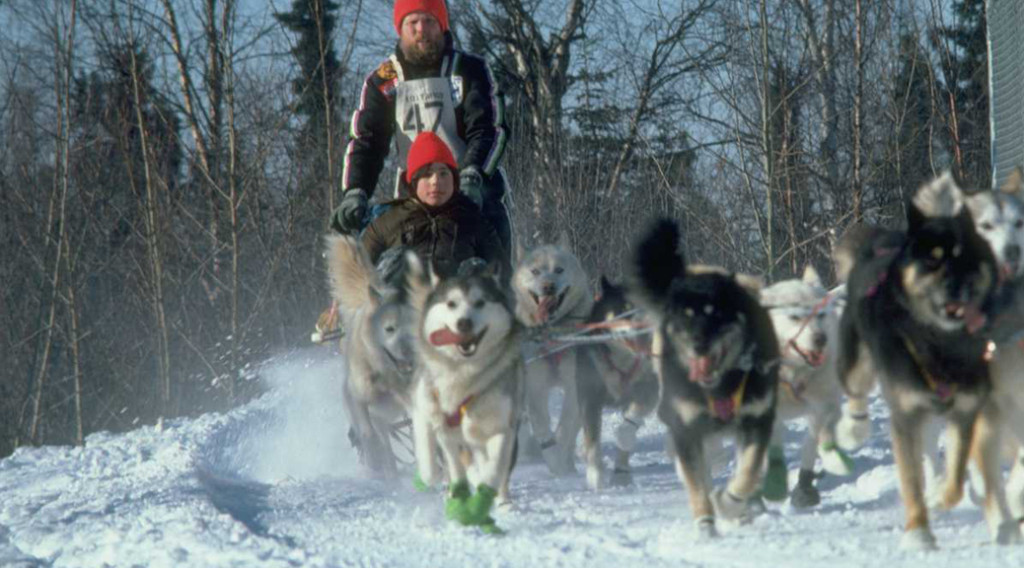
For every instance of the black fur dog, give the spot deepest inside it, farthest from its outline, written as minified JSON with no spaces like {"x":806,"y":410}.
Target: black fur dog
{"x":917,"y":301}
{"x":716,"y":358}
{"x":616,"y":373}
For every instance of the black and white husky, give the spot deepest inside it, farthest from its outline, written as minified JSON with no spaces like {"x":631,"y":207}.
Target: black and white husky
{"x":617,"y":373}
{"x":717,"y":369}
{"x":918,"y":302}
{"x":469,"y":393}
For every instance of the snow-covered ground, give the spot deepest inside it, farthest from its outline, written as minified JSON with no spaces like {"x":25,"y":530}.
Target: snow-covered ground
{"x":274,"y":483}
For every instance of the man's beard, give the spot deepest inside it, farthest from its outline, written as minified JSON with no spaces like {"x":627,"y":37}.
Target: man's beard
{"x":429,"y":54}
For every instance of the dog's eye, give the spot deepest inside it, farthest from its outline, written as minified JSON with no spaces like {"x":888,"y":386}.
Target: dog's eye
{"x":479,"y":304}
{"x":535,"y":271}
{"x":938,"y":253}
{"x":957,"y":251}
{"x":821,"y":315}
{"x":688,"y":312}
{"x":709,"y":309}
{"x":1018,"y":223}
{"x":451,"y":304}
{"x":795,"y":317}
{"x":986,"y":226}
{"x":389,"y":329}
{"x":559,"y":270}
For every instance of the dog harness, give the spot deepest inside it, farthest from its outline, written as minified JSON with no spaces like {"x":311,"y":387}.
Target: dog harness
{"x":454,"y":420}
{"x":942,"y":389}
{"x":625,"y":375}
{"x":725,"y":409}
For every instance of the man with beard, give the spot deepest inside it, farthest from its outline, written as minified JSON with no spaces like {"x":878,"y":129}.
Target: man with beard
{"x":427,"y":84}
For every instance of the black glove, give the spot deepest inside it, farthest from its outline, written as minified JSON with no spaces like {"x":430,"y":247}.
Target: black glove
{"x":347,"y":218}
{"x":471,"y":184}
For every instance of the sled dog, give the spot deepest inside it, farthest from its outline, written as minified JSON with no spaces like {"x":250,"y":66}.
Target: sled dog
{"x":552,"y":294}
{"x":999,"y":219}
{"x":916,"y":302}
{"x":469,"y":392}
{"x":717,"y":369}
{"x":806,"y":322}
{"x":615,"y":373}
{"x":379,"y":348}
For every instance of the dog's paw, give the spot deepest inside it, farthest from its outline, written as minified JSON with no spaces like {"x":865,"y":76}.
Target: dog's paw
{"x":706,"y":530}
{"x":625,"y":435}
{"x":775,"y":485}
{"x":918,"y":539}
{"x":933,"y":493}
{"x":805,"y":497}
{"x":729,"y":506}
{"x":621,"y":478}
{"x":835,"y":460}
{"x":853,"y":431}
{"x":1015,"y":492}
{"x":595,"y":478}
{"x":1008,"y":533}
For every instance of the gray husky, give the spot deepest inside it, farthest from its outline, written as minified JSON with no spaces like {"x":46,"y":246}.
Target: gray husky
{"x":552,"y":293}
{"x":999,"y":219}
{"x":717,"y":369}
{"x":379,"y":349}
{"x":469,"y":392}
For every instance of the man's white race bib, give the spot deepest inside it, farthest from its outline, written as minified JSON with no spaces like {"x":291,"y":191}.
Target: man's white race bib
{"x":426,"y":104}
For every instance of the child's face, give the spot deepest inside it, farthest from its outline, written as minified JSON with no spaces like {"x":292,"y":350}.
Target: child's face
{"x":437,"y":187}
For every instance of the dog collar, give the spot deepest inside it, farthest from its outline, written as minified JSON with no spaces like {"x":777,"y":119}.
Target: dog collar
{"x":942,"y":389}
{"x":454,"y":420}
{"x":725,"y":409}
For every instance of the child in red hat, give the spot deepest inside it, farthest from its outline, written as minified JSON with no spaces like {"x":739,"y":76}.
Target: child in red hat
{"x":438,"y":222}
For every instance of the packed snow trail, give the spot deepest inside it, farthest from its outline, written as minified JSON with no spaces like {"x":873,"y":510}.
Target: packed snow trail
{"x":275,"y":483}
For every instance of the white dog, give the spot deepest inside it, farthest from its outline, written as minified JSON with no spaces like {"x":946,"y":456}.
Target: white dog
{"x":552,"y":292}
{"x":805,"y":318}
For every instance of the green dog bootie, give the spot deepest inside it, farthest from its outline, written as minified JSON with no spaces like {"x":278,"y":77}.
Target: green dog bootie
{"x":455,"y":507}
{"x":775,"y":487}
{"x":479,"y":505}
{"x":835,"y":460}
{"x":420,"y":485}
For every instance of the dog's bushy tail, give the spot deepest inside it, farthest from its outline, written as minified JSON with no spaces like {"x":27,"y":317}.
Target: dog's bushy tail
{"x":859,"y":243}
{"x":657,"y":260}
{"x":419,"y":281}
{"x":350,"y":273}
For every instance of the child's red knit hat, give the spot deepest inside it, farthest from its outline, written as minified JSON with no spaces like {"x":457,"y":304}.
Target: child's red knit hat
{"x":428,"y":148}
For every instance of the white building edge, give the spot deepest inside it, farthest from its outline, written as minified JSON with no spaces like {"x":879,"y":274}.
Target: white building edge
{"x":1006,"y":85}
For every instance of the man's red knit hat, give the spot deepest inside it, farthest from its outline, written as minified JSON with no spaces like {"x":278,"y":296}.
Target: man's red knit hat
{"x":435,"y":8}
{"x":428,"y":148}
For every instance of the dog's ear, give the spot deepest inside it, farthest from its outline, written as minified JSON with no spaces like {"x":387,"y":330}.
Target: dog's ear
{"x":657,"y":261}
{"x":752,"y":284}
{"x":417,"y":280}
{"x":942,"y":197}
{"x":811,"y":277}
{"x":564,"y":241}
{"x":1014,"y":184}
{"x":518,"y":250}
{"x":376,"y":298}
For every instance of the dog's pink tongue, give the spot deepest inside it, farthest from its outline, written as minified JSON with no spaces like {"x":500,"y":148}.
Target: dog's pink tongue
{"x":544,"y":305}
{"x":700,"y":368}
{"x":444,"y":336}
{"x":974,"y":319}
